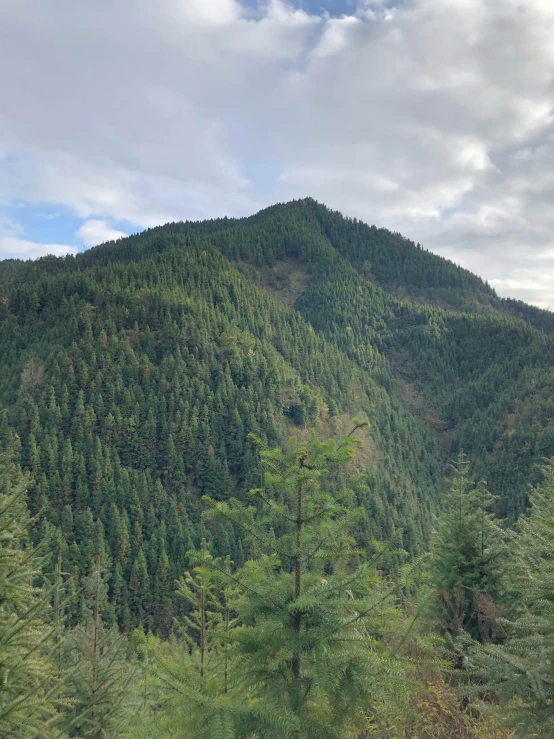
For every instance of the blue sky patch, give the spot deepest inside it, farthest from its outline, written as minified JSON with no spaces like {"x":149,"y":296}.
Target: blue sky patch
{"x":47,"y":223}
{"x":317,"y":7}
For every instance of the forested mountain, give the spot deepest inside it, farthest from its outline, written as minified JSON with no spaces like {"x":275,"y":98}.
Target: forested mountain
{"x":134,"y":373}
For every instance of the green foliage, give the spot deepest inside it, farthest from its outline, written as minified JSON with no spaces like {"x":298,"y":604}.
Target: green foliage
{"x":98,"y":678}
{"x":467,"y":554}
{"x":134,"y":375}
{"x":138,"y":377}
{"x":28,"y":681}
{"x":205,"y":628}
{"x":520,"y":669}
{"x":312,"y":636}
{"x":192,"y":678}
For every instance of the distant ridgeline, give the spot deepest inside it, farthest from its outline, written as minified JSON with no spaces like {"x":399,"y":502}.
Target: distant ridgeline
{"x":134,"y":372}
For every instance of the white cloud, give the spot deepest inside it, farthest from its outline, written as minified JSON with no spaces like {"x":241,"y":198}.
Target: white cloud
{"x":335,"y":37}
{"x":529,"y":286}
{"x":96,"y":231}
{"x":215,"y":12}
{"x":431,"y":117}
{"x":14,"y":248}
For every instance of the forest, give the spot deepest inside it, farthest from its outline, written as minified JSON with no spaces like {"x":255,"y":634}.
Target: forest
{"x":282,"y":476}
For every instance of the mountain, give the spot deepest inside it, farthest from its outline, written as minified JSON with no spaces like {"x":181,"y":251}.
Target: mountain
{"x":133,"y":374}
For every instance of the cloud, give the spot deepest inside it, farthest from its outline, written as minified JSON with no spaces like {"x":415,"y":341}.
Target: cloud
{"x":13,"y":245}
{"x":14,"y":248}
{"x":530,"y":286}
{"x":430,"y":117}
{"x":96,"y":231}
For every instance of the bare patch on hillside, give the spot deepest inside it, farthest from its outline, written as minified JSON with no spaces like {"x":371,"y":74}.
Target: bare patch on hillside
{"x":414,"y":404}
{"x":367,"y":453}
{"x":284,"y":280}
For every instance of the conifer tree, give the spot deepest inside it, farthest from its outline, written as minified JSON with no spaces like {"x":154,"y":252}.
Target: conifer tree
{"x":139,"y":587}
{"x":59,"y":603}
{"x":194,"y":682}
{"x":28,"y":679}
{"x":199,"y":627}
{"x":520,"y":670}
{"x":98,"y":683}
{"x":311,"y":647}
{"x":467,"y":550}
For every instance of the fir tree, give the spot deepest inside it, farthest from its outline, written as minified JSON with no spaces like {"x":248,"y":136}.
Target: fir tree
{"x":520,"y":670}
{"x":28,"y":679}
{"x":311,"y":647}
{"x":194,"y":682}
{"x":199,"y":628}
{"x":99,"y":679}
{"x":467,"y":552}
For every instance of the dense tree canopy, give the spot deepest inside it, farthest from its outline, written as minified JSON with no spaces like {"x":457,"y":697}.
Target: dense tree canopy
{"x":135,"y":377}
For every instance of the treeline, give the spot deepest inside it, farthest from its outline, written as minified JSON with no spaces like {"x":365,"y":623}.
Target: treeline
{"x":308,"y":637}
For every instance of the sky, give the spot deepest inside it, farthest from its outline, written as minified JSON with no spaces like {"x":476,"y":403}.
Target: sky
{"x":434,"y":118}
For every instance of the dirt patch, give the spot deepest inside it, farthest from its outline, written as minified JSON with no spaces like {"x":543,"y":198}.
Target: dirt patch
{"x":284,"y":280}
{"x":414,"y":404}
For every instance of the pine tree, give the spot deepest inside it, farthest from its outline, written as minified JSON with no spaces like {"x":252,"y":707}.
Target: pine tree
{"x":28,"y":680}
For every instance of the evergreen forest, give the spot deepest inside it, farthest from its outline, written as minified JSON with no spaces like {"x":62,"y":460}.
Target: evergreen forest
{"x":285,"y":476}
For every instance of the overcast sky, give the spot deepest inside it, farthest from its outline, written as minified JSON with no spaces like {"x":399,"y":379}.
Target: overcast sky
{"x":430,"y":117}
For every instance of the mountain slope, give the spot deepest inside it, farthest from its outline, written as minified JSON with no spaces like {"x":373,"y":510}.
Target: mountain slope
{"x":133,"y":374}
{"x":133,"y":386}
